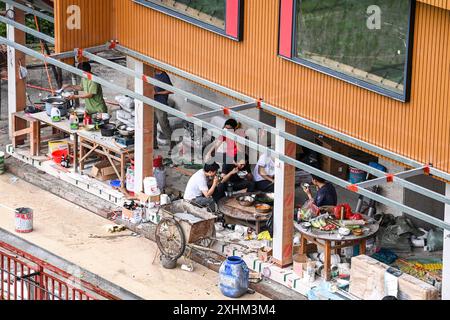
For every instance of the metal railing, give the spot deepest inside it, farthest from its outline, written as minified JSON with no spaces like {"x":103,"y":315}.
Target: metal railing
{"x":25,"y":277}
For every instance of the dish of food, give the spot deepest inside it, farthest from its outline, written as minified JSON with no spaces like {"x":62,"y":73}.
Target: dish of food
{"x":263,"y":208}
{"x":245,"y":201}
{"x":267,"y":198}
{"x":89,"y":127}
{"x":306,"y":225}
{"x":358,"y":232}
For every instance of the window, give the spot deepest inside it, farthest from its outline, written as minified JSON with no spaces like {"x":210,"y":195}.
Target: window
{"x":220,"y":16}
{"x":365,"y":42}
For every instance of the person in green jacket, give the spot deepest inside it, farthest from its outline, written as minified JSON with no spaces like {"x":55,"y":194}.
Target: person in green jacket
{"x":93,"y":92}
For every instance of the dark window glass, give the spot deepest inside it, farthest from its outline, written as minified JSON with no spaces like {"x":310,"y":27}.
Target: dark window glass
{"x":363,"y":39}
{"x":208,"y":11}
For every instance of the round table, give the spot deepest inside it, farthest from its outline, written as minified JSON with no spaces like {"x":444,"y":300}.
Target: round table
{"x":234,"y":213}
{"x":330,"y":241}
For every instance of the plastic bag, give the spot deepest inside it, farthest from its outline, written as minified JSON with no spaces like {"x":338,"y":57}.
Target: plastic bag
{"x":389,"y":238}
{"x":308,"y":211}
{"x":435,"y":240}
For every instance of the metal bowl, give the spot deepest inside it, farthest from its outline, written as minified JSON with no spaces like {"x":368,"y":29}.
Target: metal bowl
{"x":263,"y":208}
{"x":245,"y":201}
{"x":242,"y":174}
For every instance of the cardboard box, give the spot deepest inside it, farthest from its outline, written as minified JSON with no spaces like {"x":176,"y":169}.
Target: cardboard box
{"x":144,"y":198}
{"x":57,"y":145}
{"x":127,"y":214}
{"x":300,"y":264}
{"x":264,"y":254}
{"x":103,"y":171}
{"x":367,"y":281}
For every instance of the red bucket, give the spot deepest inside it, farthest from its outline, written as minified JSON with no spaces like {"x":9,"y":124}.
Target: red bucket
{"x":58,"y":154}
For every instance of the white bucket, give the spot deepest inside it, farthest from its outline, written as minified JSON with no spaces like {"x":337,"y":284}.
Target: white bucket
{"x":151,"y":186}
{"x":24,"y":220}
{"x":130,"y":179}
{"x":165,"y":199}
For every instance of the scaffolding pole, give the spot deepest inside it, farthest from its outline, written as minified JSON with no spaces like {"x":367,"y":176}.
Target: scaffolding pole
{"x":234,"y":112}
{"x":232,"y":136}
{"x":287,"y":115}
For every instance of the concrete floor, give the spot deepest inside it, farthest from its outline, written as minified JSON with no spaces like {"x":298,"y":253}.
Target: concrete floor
{"x":81,"y":237}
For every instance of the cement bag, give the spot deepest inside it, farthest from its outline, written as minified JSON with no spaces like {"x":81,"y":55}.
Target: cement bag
{"x":125,"y":103}
{"x":392,"y":237}
{"x":435,"y":240}
{"x":160,"y":175}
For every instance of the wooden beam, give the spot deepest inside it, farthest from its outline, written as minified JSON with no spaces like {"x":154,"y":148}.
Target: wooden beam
{"x":16,"y":86}
{"x":285,"y":199}
{"x":144,"y":128}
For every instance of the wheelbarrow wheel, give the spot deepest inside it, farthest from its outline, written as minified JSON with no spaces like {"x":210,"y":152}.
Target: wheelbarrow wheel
{"x":170,"y":238}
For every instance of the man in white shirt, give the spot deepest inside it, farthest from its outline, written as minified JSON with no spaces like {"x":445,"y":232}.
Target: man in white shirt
{"x":264,"y":173}
{"x":197,"y":189}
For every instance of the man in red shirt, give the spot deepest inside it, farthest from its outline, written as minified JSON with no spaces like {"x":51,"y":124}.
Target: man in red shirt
{"x":225,"y":148}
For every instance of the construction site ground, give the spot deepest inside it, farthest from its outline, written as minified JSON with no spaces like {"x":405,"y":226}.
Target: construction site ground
{"x":82,"y":237}
{"x":66,"y":226}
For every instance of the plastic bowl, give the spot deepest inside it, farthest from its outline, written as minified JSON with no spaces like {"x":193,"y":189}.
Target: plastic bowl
{"x":115,"y":183}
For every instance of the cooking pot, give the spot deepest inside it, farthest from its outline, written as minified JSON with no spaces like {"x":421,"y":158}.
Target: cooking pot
{"x":108,"y":130}
{"x":124,"y":131}
{"x":56,"y":101}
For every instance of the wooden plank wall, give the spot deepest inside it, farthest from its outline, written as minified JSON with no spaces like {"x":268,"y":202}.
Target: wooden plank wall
{"x":419,"y":129}
{"x":96,"y":24}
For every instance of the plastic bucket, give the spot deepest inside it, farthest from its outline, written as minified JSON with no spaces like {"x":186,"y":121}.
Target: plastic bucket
{"x":130,"y":179}
{"x":58,"y":154}
{"x":357,"y":176}
{"x":233,"y":277}
{"x":24,"y":220}
{"x":2,"y":163}
{"x":151,"y":186}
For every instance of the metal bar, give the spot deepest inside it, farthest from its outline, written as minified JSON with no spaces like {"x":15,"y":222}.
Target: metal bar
{"x":41,"y":263}
{"x":421,"y":190}
{"x":371,"y":183}
{"x":411,"y":173}
{"x":257,"y":124}
{"x":150,"y":80}
{"x":210,"y":114}
{"x":292,"y":138}
{"x":30,"y":10}
{"x":313,"y":125}
{"x":369,"y":194}
{"x":26,"y":29}
{"x":72,"y":53}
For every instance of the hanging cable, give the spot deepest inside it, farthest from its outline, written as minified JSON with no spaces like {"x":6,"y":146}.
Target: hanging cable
{"x":45,"y":62}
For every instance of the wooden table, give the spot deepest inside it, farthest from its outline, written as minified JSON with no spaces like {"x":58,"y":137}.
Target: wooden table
{"x":22,"y":120}
{"x":236,"y":214}
{"x":330,"y":241}
{"x":63,"y":126}
{"x":93,"y":142}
